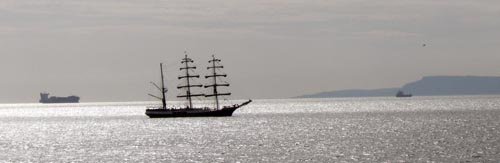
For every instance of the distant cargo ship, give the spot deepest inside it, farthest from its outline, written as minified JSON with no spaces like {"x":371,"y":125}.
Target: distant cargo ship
{"x":402,"y":94}
{"x":44,"y":98}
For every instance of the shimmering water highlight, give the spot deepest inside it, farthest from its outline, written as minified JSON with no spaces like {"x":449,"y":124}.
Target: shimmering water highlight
{"x":442,"y":129}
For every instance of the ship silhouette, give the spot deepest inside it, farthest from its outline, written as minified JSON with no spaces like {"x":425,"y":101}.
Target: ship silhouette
{"x":44,"y":98}
{"x":189,"y":110}
{"x":402,"y":94}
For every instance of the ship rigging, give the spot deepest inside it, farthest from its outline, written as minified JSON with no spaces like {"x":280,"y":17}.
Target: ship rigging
{"x":190,"y":110}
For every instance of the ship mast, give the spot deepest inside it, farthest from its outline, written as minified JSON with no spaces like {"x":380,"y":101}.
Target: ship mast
{"x":214,"y":75}
{"x":188,"y":77}
{"x":162,"y":89}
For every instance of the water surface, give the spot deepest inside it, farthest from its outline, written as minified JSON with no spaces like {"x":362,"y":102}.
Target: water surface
{"x":442,"y":129}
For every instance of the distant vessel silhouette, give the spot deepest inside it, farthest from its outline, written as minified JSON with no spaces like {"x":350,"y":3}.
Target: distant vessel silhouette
{"x":402,"y":94}
{"x":189,"y":110}
{"x":44,"y":98}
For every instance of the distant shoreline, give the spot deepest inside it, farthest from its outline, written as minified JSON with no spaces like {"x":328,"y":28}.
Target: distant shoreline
{"x":427,"y":86}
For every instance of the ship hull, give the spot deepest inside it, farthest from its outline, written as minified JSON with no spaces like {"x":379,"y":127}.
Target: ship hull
{"x":165,"y":113}
{"x":193,"y":112}
{"x":60,"y":100}
{"x":401,"y":94}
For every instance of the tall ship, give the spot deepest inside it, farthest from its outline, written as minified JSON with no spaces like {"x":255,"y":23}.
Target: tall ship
{"x":44,"y":98}
{"x":189,"y":110}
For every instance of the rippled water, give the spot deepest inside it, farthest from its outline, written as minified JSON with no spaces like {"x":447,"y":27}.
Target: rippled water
{"x":442,"y":129}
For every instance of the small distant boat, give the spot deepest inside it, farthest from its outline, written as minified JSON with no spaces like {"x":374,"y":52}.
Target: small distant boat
{"x":44,"y":98}
{"x":402,"y":94}
{"x":189,"y":110}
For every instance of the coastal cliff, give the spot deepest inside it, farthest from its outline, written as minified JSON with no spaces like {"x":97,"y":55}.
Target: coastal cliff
{"x":454,"y":85}
{"x":427,"y":86}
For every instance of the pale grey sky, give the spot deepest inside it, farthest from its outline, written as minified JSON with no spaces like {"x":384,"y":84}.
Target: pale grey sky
{"x":108,"y":50}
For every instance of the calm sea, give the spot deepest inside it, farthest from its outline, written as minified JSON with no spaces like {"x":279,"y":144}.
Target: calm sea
{"x":441,"y":129}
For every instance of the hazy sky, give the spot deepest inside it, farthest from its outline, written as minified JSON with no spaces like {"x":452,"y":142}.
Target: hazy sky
{"x":109,"y":50}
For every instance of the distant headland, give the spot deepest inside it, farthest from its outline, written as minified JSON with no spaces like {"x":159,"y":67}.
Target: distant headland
{"x":427,"y":86}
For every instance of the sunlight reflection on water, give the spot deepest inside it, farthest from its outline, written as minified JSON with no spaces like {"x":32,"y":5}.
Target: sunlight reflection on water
{"x":439,"y":129}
